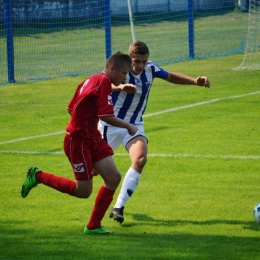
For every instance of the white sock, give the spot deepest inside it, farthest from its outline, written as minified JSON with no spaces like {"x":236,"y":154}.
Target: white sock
{"x":128,"y":187}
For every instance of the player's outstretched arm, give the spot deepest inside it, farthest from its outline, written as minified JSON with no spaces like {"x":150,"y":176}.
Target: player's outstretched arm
{"x":115,"y":121}
{"x":178,"y":78}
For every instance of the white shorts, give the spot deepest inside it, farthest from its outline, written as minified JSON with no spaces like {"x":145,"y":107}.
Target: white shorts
{"x":115,"y":136}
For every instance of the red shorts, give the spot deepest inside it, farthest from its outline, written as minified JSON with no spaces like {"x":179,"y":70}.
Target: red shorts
{"x":84,"y":154}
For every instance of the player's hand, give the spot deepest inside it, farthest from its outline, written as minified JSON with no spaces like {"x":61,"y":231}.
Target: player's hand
{"x":203,"y":81}
{"x":129,"y":88}
{"x":132,"y":129}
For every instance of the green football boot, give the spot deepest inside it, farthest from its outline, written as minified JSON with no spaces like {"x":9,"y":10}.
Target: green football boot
{"x":98,"y":231}
{"x":30,"y":181}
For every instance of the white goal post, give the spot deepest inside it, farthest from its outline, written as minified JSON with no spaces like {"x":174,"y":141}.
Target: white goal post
{"x":131,"y":19}
{"x":251,"y":60}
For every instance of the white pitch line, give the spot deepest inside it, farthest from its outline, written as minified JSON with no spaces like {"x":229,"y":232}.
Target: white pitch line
{"x":208,"y":156}
{"x":31,"y":152}
{"x":32,"y":137}
{"x":151,"y":155}
{"x":252,"y":157}
{"x":148,"y":115}
{"x":200,"y":103}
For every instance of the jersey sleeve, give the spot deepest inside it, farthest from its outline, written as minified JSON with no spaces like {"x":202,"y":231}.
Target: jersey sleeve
{"x":159,"y":72}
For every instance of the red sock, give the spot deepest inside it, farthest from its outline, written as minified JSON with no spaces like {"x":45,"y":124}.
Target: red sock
{"x":103,"y":200}
{"x":59,"y":183}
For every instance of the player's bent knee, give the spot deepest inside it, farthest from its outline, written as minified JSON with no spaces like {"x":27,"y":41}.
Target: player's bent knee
{"x":115,"y":178}
{"x":113,"y":181}
{"x":140,"y":162}
{"x":82,"y":194}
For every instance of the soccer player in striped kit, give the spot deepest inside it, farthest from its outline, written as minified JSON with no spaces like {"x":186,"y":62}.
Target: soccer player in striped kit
{"x":84,"y":146}
{"x":130,"y":100}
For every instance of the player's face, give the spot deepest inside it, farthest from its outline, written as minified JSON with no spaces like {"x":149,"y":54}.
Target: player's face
{"x":119,"y":75}
{"x":138,"y":63}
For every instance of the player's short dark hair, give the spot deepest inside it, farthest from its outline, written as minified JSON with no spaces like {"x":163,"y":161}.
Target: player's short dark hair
{"x":118,"y":60}
{"x":138,"y":47}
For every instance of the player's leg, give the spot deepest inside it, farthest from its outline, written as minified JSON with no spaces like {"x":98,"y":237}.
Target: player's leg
{"x":77,"y":155}
{"x":109,"y":172}
{"x":137,"y":148}
{"x":83,"y":189}
{"x":112,"y":135}
{"x":35,"y":176}
{"x":80,"y":189}
{"x":111,"y":176}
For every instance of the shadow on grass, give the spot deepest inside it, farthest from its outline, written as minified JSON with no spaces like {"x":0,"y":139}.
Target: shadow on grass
{"x":23,"y":240}
{"x":159,"y":128}
{"x":144,"y":218}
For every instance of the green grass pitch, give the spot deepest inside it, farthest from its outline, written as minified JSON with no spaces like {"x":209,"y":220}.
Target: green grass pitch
{"x":195,"y":199}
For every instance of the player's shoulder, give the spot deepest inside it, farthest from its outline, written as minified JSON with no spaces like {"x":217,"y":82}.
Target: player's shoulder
{"x":156,"y":70}
{"x":100,"y":78}
{"x":151,"y":63}
{"x":101,"y":75}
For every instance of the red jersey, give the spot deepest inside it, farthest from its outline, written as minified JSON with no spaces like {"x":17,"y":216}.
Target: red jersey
{"x":91,"y":101}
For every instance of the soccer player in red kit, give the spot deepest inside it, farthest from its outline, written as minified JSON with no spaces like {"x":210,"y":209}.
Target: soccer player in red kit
{"x":84,"y":146}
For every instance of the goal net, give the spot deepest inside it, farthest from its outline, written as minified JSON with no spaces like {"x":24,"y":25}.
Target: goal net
{"x":251,"y":60}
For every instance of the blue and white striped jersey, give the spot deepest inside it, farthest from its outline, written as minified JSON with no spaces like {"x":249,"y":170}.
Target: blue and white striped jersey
{"x":131,"y":107}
